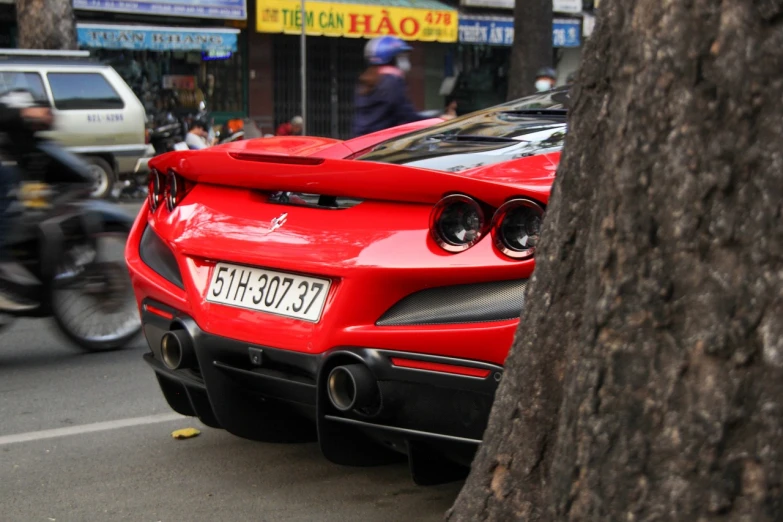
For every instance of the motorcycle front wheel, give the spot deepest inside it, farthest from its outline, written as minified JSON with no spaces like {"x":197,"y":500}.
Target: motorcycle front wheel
{"x":92,"y":299}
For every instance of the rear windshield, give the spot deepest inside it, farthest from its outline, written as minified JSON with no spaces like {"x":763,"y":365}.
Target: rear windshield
{"x":532,"y":125}
{"x":83,"y":91}
{"x":29,"y":81}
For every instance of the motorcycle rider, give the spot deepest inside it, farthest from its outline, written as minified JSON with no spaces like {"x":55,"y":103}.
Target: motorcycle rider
{"x":546,"y":78}
{"x":198,"y":135}
{"x":21,"y":116}
{"x":292,"y":128}
{"x":381,"y":97}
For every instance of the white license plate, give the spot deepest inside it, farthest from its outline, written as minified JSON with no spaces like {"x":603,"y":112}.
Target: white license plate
{"x":268,"y":291}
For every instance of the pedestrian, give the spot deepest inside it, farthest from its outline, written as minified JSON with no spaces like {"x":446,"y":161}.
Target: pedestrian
{"x":545,"y":79}
{"x":21,"y":116}
{"x":292,"y":128}
{"x":198,"y":135}
{"x":381,"y":96}
{"x":451,"y":109}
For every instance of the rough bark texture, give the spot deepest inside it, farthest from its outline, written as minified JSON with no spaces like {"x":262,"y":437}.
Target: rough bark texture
{"x":532,"y":47}
{"x":646,"y":380}
{"x":45,"y":24}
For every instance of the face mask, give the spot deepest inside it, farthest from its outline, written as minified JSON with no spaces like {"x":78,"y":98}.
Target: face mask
{"x":403,"y":63}
{"x":543,"y":85}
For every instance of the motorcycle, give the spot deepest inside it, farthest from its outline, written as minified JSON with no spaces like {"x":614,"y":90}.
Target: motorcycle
{"x":165,"y":133}
{"x":74,"y":248}
{"x":232,"y":130}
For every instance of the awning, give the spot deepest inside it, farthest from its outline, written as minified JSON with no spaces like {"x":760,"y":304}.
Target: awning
{"x":420,"y":20}
{"x":499,"y":30}
{"x":143,"y":37}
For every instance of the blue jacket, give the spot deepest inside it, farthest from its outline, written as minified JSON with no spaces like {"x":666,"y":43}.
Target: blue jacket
{"x":385,"y":106}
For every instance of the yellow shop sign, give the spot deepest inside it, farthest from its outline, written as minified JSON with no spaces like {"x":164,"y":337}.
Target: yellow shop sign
{"x":357,"y":20}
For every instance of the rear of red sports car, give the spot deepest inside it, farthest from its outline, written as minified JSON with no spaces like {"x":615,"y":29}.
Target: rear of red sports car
{"x":287,"y":293}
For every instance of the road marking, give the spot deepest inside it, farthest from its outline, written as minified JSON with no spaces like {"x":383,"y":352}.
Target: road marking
{"x":89,"y":428}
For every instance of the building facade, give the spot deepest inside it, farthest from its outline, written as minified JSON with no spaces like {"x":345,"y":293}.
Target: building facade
{"x":479,"y":63}
{"x":337,"y":32}
{"x":174,"y":54}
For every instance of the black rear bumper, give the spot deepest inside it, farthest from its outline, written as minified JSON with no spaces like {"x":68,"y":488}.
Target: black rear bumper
{"x":273,"y":395}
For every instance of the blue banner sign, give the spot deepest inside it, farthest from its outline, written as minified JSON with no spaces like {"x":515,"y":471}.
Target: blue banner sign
{"x":225,"y":9}
{"x":97,"y":36}
{"x":566,"y":32}
{"x":485,"y":30}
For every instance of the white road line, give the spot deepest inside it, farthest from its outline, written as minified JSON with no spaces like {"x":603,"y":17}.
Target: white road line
{"x":89,"y":428}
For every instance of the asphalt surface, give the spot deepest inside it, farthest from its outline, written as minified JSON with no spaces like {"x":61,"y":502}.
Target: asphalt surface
{"x":112,"y":457}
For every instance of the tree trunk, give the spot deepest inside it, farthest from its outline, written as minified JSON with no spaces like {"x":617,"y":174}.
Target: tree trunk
{"x":646,"y":379}
{"x":532,"y":47}
{"x":45,"y":24}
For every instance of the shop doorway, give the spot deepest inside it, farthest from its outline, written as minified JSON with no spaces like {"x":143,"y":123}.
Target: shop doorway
{"x":334,"y":66}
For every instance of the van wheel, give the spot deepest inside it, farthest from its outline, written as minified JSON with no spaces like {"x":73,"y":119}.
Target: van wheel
{"x":103,"y":177}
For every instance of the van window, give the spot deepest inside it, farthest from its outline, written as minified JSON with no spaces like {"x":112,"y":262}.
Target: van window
{"x":79,"y":91}
{"x":29,"y":81}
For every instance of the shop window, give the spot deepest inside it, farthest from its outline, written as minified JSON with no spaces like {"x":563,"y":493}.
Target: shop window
{"x":178,"y":81}
{"x":78,"y":91}
{"x":334,"y":67}
{"x":29,"y":81}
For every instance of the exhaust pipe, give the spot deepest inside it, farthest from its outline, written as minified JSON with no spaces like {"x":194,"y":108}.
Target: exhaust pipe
{"x":351,"y":387}
{"x":176,"y":349}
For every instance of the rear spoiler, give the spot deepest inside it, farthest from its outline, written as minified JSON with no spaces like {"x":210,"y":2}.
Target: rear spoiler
{"x":339,"y":177}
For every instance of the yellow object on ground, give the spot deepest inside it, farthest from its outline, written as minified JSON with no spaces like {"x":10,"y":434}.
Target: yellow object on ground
{"x":186,"y":433}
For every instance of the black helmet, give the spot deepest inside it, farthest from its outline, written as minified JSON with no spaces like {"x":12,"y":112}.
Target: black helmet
{"x":546,"y":72}
{"x":200,"y":123}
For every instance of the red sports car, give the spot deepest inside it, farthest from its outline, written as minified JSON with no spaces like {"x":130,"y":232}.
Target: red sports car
{"x":363,"y":292}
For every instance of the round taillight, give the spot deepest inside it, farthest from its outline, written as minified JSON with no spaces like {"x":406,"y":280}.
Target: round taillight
{"x":155,"y":189}
{"x":457,"y":223}
{"x":516,"y":228}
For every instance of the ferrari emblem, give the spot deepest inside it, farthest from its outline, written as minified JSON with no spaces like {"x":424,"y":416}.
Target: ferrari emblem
{"x":278,"y":222}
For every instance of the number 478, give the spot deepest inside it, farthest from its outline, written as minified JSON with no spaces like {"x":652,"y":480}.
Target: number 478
{"x":437,"y":18}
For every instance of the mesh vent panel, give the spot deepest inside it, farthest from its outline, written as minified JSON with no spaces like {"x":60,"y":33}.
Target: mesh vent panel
{"x":472,"y":303}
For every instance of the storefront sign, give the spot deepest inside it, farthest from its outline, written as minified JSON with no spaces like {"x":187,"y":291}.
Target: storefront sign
{"x":178,"y":81}
{"x":500,"y":31}
{"x":156,"y":38}
{"x":558,"y":6}
{"x":357,"y":20}
{"x":224,"y":9}
{"x":567,"y":6}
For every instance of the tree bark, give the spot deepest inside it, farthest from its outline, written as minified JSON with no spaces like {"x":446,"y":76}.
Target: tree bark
{"x":646,"y":379}
{"x":46,"y":24}
{"x":532,"y":47}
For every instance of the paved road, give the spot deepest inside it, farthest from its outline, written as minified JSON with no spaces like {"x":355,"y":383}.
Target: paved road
{"x":96,"y":469}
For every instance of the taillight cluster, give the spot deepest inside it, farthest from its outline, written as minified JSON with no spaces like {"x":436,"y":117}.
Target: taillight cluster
{"x":458,"y":222}
{"x":171,"y":189}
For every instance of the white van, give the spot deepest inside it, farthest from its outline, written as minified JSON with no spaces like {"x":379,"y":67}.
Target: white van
{"x":96,"y":114}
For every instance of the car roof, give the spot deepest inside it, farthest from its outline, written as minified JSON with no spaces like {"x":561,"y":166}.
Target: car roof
{"x":27,"y":57}
{"x":59,"y":62}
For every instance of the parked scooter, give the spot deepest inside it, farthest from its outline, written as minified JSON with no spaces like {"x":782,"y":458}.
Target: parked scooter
{"x":232,"y":130}
{"x":73,"y":247}
{"x":165,"y":133}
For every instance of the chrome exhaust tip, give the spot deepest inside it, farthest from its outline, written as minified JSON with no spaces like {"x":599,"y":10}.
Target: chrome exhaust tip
{"x":351,"y":387}
{"x":176,"y":350}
